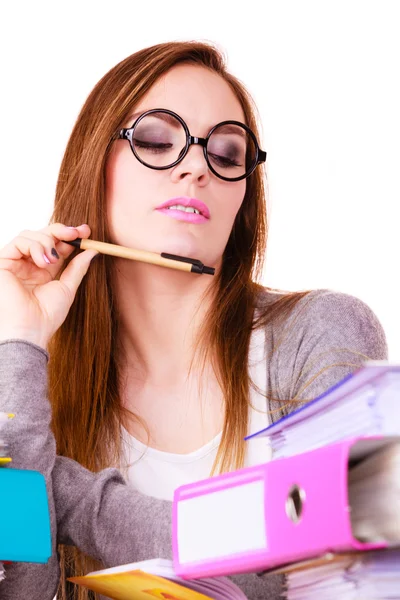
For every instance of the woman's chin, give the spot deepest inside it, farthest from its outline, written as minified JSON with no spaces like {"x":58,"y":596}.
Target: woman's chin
{"x":177,"y":245}
{"x":182,"y":248}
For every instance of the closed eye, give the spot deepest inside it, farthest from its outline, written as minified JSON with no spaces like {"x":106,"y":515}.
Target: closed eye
{"x":224,"y":161}
{"x":153,"y":147}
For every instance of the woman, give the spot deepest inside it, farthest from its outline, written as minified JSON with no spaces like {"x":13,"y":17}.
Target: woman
{"x":154,"y":371}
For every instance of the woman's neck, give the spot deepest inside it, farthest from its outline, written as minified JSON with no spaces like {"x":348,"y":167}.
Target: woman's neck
{"x":160,"y":313}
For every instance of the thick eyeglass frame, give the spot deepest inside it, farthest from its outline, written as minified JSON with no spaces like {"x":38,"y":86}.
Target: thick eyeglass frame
{"x":127,"y":134}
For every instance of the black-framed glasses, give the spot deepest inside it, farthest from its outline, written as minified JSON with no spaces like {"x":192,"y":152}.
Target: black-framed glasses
{"x":160,"y":139}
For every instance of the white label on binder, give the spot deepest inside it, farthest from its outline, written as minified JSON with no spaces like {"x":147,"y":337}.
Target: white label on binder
{"x":222,"y":523}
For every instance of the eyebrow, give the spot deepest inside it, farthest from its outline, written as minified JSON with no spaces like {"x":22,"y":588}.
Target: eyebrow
{"x":162,"y":116}
{"x":172,"y":121}
{"x":234,"y":129}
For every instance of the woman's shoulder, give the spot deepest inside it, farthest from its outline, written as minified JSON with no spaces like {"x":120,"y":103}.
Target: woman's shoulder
{"x":316,"y":309}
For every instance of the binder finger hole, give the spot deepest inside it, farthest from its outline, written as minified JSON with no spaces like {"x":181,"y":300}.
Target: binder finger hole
{"x":295,"y":503}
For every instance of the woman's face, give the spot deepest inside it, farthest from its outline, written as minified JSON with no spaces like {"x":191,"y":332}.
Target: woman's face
{"x":135,"y":192}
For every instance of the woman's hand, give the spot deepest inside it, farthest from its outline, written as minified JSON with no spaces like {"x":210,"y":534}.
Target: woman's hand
{"x":33,"y":304}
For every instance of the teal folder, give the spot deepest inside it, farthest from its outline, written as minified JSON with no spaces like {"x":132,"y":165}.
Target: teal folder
{"x":24,"y":517}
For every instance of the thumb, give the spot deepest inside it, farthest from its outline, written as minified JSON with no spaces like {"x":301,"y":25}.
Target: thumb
{"x":72,"y":276}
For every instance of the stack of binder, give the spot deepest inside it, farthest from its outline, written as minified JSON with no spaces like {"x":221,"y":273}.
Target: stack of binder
{"x":364,"y":403}
{"x":25,"y":524}
{"x":370,"y":576}
{"x":325,"y":510}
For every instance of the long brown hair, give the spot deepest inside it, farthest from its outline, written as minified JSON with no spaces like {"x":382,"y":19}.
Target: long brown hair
{"x":83,"y":370}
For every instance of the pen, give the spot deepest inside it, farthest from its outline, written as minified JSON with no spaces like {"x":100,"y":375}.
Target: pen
{"x":171,"y":261}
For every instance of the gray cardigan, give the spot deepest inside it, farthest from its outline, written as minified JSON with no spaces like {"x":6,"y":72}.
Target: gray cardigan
{"x":326,"y":336}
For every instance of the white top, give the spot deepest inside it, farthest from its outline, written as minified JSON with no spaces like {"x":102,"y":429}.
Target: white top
{"x":158,"y":474}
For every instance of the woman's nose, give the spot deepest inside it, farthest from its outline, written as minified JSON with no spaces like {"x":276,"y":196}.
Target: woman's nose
{"x":194,"y":166}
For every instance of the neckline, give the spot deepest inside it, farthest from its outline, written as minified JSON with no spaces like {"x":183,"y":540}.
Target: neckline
{"x":161,"y":455}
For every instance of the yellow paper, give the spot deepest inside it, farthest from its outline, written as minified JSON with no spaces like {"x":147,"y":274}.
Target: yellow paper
{"x":137,"y":585}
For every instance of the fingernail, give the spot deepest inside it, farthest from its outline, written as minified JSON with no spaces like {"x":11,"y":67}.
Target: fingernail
{"x":70,"y":227}
{"x":54,"y":253}
{"x":46,"y":259}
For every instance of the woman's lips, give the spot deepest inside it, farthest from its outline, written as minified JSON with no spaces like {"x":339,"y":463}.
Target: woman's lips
{"x":184,"y":201}
{"x":181,"y":215}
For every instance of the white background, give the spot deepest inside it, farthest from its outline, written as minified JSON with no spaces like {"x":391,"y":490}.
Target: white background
{"x":325,"y":76}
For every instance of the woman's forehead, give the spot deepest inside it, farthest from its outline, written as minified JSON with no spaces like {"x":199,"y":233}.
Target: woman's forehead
{"x":201,"y":97}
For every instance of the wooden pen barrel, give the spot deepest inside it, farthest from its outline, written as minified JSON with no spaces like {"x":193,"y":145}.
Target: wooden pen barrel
{"x":132,"y":254}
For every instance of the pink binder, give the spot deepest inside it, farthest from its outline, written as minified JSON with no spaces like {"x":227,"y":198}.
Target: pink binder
{"x":269,"y":515}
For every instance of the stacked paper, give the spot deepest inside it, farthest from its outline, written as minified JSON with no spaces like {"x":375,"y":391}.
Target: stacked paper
{"x":368,"y":576}
{"x":156,"y":578}
{"x":219,"y":588}
{"x":365,"y":403}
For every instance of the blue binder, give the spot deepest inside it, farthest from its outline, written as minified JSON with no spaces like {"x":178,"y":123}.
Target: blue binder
{"x":24,"y":517}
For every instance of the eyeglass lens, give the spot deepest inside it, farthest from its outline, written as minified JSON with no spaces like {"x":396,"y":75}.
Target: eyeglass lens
{"x":159,"y":139}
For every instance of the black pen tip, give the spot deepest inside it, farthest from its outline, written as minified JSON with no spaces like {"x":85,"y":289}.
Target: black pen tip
{"x":76,"y":243}
{"x":202,"y":269}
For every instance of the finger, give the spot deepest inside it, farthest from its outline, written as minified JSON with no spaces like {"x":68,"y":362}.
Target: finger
{"x":73,"y":274}
{"x":22,"y":247}
{"x":49,"y":237}
{"x":47,"y":241}
{"x":64,"y":232}
{"x":59,"y":230}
